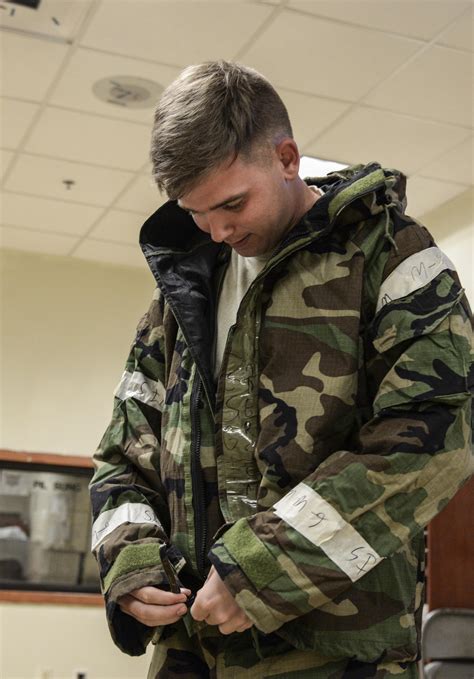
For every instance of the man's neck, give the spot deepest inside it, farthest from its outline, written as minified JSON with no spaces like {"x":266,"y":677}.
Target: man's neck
{"x":306,"y":198}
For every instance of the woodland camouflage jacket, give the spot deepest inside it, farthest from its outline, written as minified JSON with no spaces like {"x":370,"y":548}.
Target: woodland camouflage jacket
{"x":339,"y":427}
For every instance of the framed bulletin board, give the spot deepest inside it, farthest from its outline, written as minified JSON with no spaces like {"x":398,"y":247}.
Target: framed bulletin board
{"x":45,"y":529}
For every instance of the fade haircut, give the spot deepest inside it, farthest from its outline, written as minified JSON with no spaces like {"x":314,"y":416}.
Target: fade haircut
{"x":210,"y":113}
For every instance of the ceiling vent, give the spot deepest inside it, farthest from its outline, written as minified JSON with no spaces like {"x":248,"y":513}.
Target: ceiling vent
{"x":127,"y":91}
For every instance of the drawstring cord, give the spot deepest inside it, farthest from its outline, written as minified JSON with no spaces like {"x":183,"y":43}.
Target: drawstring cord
{"x":388,"y":235}
{"x":256,"y":642}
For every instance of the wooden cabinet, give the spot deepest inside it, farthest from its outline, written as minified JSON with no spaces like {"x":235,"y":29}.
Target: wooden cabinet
{"x":451,"y":553}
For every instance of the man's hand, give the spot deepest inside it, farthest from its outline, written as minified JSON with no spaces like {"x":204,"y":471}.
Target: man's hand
{"x":153,"y":606}
{"x":216,"y":605}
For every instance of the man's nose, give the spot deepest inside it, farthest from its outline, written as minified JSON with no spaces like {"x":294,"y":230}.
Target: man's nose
{"x":218,"y":227}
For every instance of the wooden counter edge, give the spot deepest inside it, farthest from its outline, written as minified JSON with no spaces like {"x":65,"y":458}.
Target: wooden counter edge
{"x":46,"y":459}
{"x":36,"y":597}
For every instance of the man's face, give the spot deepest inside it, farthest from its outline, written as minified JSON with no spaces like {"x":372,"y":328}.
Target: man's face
{"x":247,"y":204}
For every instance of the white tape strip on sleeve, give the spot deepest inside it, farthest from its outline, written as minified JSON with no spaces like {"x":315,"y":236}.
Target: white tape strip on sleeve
{"x":413,"y":273}
{"x":129,"y":512}
{"x":136,"y":385}
{"x":309,"y":514}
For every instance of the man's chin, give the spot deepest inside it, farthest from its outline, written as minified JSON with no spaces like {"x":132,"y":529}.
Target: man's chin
{"x":247,"y":247}
{"x":242,"y":245}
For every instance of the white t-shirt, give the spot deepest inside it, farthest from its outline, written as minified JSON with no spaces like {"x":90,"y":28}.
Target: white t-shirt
{"x":239,"y":275}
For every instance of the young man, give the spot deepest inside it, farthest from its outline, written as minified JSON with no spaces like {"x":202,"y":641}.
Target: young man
{"x":294,"y":410}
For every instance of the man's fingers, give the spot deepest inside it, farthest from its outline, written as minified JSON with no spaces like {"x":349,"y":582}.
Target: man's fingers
{"x":151,"y":614}
{"x":160,"y":597}
{"x":227,"y":627}
{"x":198,"y":612}
{"x":233,"y":625}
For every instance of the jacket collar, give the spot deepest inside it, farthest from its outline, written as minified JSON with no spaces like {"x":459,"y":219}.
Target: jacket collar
{"x":365,"y":189}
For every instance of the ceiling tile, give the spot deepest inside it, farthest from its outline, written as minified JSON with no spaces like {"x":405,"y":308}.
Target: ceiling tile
{"x":426,"y":194}
{"x":35,"y":241}
{"x":416,"y":19}
{"x":456,"y":165}
{"x":29,"y":65}
{"x":113,"y":253}
{"x":90,"y":139}
{"x":46,"y":176}
{"x":298,"y":52}
{"x":44,"y":214}
{"x":143,"y":196}
{"x":119,"y":226}
{"x":86,"y":67}
{"x":309,"y":115}
{"x":5,"y":158}
{"x":395,"y":140}
{"x":461,"y":34}
{"x":16,"y":117}
{"x":437,"y":85}
{"x":174,"y":32}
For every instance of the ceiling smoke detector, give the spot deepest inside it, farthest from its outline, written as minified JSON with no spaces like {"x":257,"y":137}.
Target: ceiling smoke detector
{"x":127,"y":91}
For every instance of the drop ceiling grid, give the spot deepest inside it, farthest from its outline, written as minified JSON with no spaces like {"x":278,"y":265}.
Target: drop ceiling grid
{"x":59,"y":243}
{"x":91,"y":185}
{"x":367,"y":134}
{"x":20,"y":238}
{"x":188,"y":31}
{"x":365,"y":98}
{"x":5,"y":159}
{"x":38,"y":47}
{"x":333,"y":107}
{"x":457,"y":164}
{"x":427,"y":19}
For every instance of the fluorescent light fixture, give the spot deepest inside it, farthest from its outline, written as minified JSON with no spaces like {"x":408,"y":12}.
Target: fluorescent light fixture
{"x":316,"y":167}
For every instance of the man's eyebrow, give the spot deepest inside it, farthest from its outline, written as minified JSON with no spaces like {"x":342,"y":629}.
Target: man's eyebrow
{"x":214,"y":207}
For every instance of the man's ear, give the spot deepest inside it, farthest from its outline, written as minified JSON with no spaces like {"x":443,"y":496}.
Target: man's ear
{"x":289,"y":157}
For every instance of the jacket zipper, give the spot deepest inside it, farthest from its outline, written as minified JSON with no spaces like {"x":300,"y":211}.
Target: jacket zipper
{"x":200,"y":522}
{"x":200,"y":518}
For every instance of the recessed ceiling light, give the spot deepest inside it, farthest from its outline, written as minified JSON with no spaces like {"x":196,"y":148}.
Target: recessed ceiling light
{"x":128,"y":91}
{"x":316,"y":167}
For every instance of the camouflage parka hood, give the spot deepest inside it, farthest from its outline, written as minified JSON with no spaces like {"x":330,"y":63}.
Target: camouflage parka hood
{"x":339,"y":426}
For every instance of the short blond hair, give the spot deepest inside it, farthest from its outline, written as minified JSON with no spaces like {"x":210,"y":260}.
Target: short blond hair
{"x":211,"y":112}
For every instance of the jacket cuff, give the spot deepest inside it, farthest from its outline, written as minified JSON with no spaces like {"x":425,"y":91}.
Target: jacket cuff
{"x":135,"y":566}
{"x":131,"y":559}
{"x":258,"y":583}
{"x":128,"y":634}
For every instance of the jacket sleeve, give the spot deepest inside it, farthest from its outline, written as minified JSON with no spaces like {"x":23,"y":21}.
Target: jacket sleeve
{"x":129,"y":506}
{"x":360,"y":506}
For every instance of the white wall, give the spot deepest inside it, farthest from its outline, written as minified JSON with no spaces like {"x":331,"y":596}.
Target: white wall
{"x":67,"y":325}
{"x":452,"y":225}
{"x":56,"y":642}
